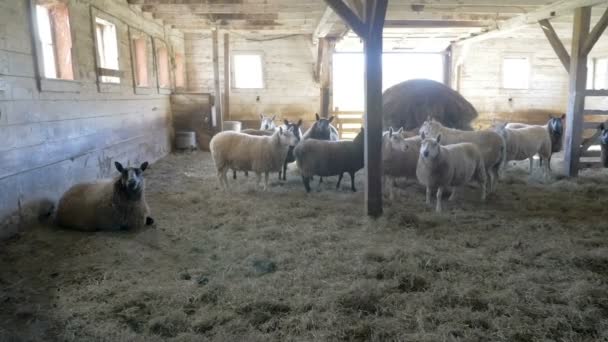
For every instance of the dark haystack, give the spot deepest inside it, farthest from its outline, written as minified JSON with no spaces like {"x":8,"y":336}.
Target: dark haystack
{"x":409,"y":103}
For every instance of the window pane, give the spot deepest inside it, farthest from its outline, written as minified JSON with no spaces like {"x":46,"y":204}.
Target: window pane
{"x":248,"y":71}
{"x":62,"y":41}
{"x":179,"y":71}
{"x":163,"y":68}
{"x":46,"y":40}
{"x":515,"y":73}
{"x":601,"y":73}
{"x":107,"y":48}
{"x":141,"y":61}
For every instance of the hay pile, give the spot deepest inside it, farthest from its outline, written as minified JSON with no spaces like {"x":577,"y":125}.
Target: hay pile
{"x":409,"y":103}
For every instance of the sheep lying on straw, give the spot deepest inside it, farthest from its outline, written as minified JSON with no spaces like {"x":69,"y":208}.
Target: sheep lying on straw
{"x":399,"y":157}
{"x":491,"y":145}
{"x":329,"y":158}
{"x":450,"y":166}
{"x":261,"y":154}
{"x":115,"y":204}
{"x":524,"y":143}
{"x":409,"y":103}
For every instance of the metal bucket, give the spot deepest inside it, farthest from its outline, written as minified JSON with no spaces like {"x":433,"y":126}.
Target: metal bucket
{"x":232,"y":126}
{"x":185,"y":140}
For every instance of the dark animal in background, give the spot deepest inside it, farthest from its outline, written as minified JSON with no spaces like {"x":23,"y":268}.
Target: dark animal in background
{"x":290,"y":157}
{"x":322,"y":129}
{"x":408,"y":104}
{"x":330,"y":158}
{"x":604,"y":144}
{"x":110,"y":204}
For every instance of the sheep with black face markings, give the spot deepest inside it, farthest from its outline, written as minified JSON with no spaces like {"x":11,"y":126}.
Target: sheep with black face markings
{"x":451,"y":166}
{"x":261,"y":154}
{"x":399,"y":157}
{"x":329,"y":158}
{"x":115,"y":204}
{"x":491,"y":145}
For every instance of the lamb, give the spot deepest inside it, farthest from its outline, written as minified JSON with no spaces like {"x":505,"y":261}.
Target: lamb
{"x":526,"y":142}
{"x":555,"y":127}
{"x":330,"y":158}
{"x":604,"y":144}
{"x":261,"y":154}
{"x":112,"y":204}
{"x":491,"y":145}
{"x":290,"y":156}
{"x":449,"y":166}
{"x":399,"y":157}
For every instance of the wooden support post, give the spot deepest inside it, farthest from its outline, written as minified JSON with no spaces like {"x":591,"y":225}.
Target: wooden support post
{"x":576,"y":98}
{"x":327,"y":46}
{"x":375,"y":14}
{"x":447,"y":67}
{"x":556,"y":43}
{"x":226,"y":104}
{"x":216,"y":81}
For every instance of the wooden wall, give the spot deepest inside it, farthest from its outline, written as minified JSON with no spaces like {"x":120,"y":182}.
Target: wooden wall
{"x":290,"y":90}
{"x":71,"y":132}
{"x":480,"y":79}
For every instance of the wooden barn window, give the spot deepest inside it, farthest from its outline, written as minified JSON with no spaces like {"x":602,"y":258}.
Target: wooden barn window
{"x":515,"y":73}
{"x":247,"y":71}
{"x":598,"y":73}
{"x":140,"y":50}
{"x":53,"y":38}
{"x":107,"y":51}
{"x":180,"y":71}
{"x":162,"y":65}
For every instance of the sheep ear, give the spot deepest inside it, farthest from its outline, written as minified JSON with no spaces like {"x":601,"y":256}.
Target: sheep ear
{"x":144,"y":166}
{"x":602,"y":126}
{"x":261,"y":116}
{"x":300,"y":122}
{"x":317,"y":116}
{"x":119,"y":167}
{"x":439,"y":138}
{"x":285,"y":122}
{"x":563,"y":116}
{"x":390,"y":132}
{"x":280,"y":130}
{"x":331,"y":118}
{"x":423,"y":136}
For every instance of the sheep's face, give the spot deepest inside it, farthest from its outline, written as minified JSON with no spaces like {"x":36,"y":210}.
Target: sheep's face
{"x":321,"y":128}
{"x":297,"y":131}
{"x":430,"y":147}
{"x":267,"y":122}
{"x":395,"y":139}
{"x":556,"y":125}
{"x":604,"y":135}
{"x":132,"y":178}
{"x":430,"y":128}
{"x":286,"y":137}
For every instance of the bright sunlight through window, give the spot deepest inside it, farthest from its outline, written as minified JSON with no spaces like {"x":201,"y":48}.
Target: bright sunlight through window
{"x":515,"y":73}
{"x":107,"y":48}
{"x":348,"y":72}
{"x":247,"y":70}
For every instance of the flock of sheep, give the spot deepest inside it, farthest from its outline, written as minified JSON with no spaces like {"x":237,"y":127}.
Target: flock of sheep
{"x":440,"y":158}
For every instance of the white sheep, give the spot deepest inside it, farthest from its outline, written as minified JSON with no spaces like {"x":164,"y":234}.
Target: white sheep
{"x":399,"y":157}
{"x":114,"y":204}
{"x":261,"y":154}
{"x":524,"y":143}
{"x":491,"y":145}
{"x":555,"y":127}
{"x":267,"y":122}
{"x":450,"y":166}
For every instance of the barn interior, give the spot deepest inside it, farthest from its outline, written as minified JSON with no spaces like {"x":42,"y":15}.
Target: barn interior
{"x":86,"y":83}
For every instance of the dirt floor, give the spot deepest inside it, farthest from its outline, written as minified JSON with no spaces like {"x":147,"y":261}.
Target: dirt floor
{"x":531,"y":264}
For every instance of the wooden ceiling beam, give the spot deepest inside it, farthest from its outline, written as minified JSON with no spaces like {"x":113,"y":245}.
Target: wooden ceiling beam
{"x":557,"y":8}
{"x":348,"y":16}
{"x":596,"y":33}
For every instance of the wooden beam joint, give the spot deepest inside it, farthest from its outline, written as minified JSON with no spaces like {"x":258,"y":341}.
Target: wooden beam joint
{"x":556,"y":43}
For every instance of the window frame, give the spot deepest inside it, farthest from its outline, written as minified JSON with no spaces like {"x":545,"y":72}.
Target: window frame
{"x":233,"y":70}
{"x":592,"y":73}
{"x":105,"y":87}
{"x":528,"y":58}
{"x":133,"y":35}
{"x":44,"y":83}
{"x":158,"y":43}
{"x":183,"y":73}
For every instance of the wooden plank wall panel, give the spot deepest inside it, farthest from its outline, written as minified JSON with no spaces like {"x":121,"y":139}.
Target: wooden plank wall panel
{"x":51,"y":140}
{"x":290,"y":92}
